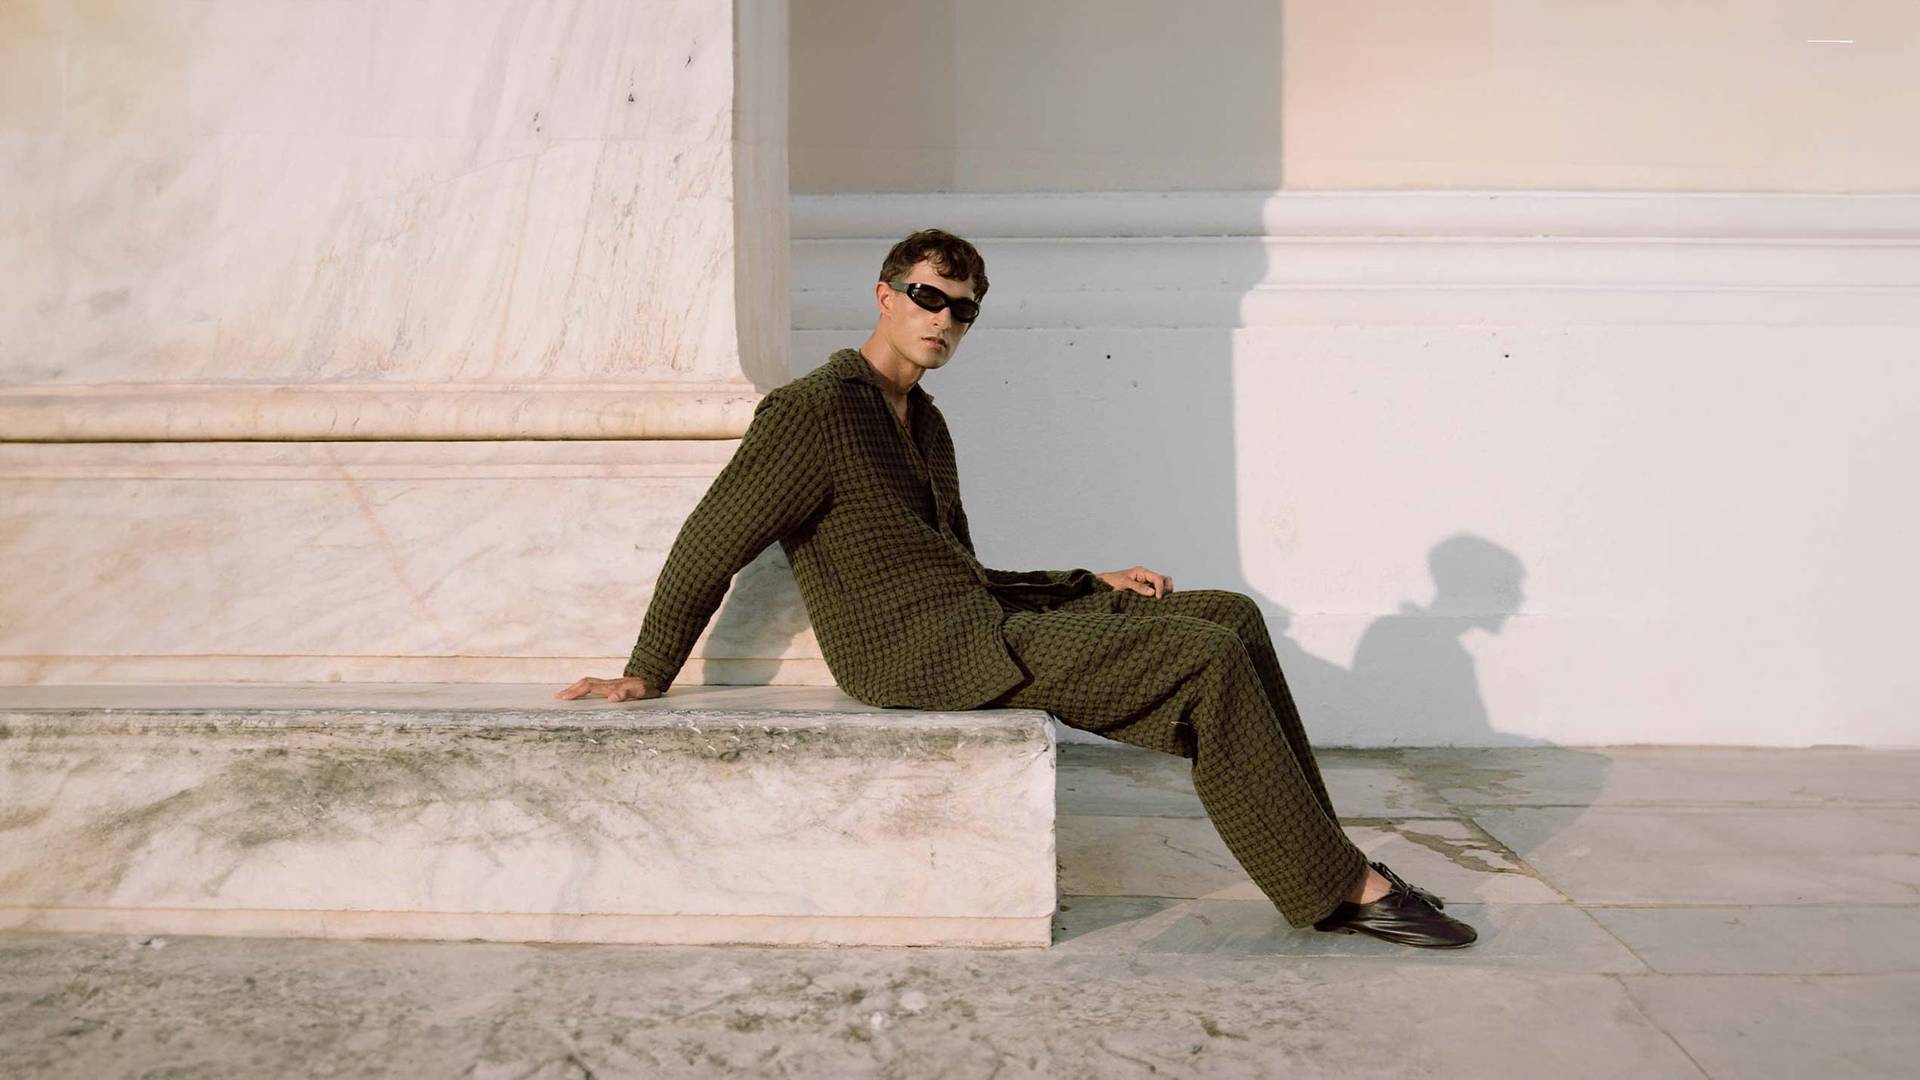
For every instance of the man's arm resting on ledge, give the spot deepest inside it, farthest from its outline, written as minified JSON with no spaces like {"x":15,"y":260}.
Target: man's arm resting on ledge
{"x":1135,"y":579}
{"x":777,"y":478}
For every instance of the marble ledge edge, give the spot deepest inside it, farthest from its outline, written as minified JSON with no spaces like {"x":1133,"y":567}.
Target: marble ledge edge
{"x":997,"y":725}
{"x":598,"y":928}
{"x":162,"y":412}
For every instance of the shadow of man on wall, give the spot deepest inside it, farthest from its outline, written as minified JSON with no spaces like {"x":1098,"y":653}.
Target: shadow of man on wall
{"x":1412,"y":674}
{"x":1414,"y":683}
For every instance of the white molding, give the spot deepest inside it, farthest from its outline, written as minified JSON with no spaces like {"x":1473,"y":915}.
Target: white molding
{"x":1363,"y":213}
{"x":462,"y":926}
{"x":1227,"y":260}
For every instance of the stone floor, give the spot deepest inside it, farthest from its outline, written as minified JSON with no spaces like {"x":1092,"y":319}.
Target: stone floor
{"x":1642,"y":913}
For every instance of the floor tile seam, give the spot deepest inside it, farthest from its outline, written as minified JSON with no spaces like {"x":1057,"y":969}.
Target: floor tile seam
{"x":1325,"y":945}
{"x":1622,"y":942}
{"x":1451,"y":902}
{"x":1640,"y":1008}
{"x":1390,"y":958}
{"x":1770,"y":975}
{"x":1642,"y":749}
{"x":1729,"y":903}
{"x":1202,"y":815}
{"x":1707,"y":905}
{"x":1759,"y":804}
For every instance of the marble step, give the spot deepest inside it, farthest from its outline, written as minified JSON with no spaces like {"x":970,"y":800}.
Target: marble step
{"x":765,"y":815}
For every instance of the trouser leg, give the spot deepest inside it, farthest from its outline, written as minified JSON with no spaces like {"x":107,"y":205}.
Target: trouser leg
{"x":1187,"y":686}
{"x":1239,"y":613}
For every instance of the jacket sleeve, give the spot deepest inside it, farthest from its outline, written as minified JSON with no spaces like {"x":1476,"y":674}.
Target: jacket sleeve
{"x":1064,"y":583}
{"x":778,"y":477}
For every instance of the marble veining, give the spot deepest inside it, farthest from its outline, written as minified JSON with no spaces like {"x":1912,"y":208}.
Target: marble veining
{"x":423,"y":561}
{"x":291,"y":192}
{"x":716,"y":804}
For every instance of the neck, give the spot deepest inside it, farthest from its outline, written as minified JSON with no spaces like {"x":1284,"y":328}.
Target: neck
{"x":898,"y":375}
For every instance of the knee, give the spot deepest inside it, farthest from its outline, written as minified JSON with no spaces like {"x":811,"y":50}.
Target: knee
{"x":1244,"y":607}
{"x":1241,"y":612}
{"x":1226,"y":675}
{"x":1209,"y":652}
{"x":1223,"y":646}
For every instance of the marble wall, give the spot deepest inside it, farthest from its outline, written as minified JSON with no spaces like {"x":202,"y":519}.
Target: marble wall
{"x":477,"y":561}
{"x":374,"y":340}
{"x":407,"y":197}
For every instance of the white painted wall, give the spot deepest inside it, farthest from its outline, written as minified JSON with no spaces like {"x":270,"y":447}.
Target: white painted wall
{"x":1676,"y":432}
{"x":1133,"y":95}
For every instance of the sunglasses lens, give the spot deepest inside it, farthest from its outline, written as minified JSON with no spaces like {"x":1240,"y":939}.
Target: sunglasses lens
{"x":933,"y":299}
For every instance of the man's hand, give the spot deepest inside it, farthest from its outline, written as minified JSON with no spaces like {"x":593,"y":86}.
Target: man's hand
{"x":1138,"y":579}
{"x":612,"y":689}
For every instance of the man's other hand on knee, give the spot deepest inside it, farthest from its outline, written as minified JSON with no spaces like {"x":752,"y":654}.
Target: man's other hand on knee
{"x":1138,"y":579}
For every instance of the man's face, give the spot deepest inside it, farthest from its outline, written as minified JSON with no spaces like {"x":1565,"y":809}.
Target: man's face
{"x":926,"y":338}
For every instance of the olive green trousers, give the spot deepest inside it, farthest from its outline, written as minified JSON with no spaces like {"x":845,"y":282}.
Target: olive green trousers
{"x":1194,"y":673}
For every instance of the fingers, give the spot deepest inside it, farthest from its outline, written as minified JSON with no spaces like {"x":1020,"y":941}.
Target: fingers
{"x":1148,"y":583}
{"x":579,"y":689}
{"x":615,"y":690}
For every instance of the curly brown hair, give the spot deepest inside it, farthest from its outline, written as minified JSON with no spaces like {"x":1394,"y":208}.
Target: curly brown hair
{"x":951,"y":256}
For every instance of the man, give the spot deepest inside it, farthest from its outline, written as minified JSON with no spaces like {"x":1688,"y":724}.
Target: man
{"x":851,"y":468}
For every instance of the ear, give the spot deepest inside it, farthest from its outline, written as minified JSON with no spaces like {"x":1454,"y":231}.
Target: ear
{"x":882,"y":294}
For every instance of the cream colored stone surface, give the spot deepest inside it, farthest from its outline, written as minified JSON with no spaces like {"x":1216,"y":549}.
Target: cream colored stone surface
{"x":1177,"y":987}
{"x":707,"y":815}
{"x":279,"y":193}
{"x":181,"y":412}
{"x":477,"y":561}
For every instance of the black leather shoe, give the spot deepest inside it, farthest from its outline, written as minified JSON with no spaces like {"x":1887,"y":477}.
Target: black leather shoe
{"x":1394,"y":879}
{"x":1402,"y":918}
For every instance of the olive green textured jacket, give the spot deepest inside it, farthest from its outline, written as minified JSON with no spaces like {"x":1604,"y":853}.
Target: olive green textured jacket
{"x":869,"y":516}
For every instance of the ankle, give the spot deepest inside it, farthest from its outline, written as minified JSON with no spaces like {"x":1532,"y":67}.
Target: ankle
{"x":1372,"y":887}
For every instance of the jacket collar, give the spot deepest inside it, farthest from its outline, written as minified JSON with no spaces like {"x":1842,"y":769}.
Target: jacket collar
{"x":852,"y":365}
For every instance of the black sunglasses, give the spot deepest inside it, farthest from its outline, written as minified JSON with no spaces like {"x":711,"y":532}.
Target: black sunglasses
{"x":964,"y":311}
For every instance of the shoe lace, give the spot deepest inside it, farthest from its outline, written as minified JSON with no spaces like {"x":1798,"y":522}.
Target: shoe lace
{"x":1398,"y":882}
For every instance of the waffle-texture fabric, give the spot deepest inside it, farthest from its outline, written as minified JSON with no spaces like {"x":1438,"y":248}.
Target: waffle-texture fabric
{"x":1194,"y":674}
{"x":870,"y":518}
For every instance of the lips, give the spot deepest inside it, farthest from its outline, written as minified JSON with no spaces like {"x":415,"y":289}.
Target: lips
{"x":935,"y":342}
